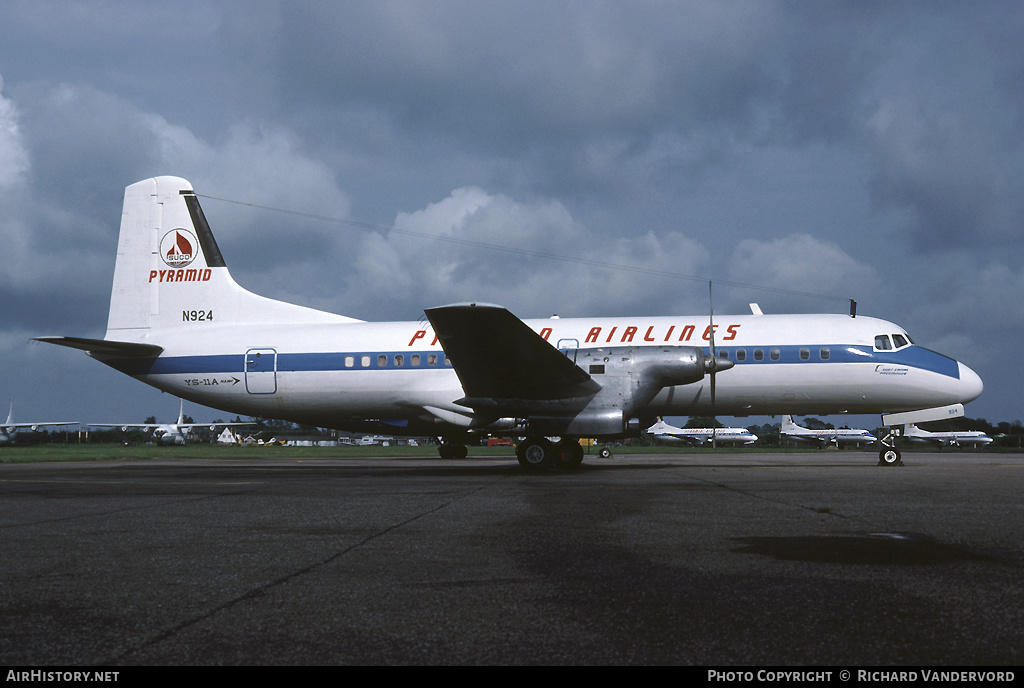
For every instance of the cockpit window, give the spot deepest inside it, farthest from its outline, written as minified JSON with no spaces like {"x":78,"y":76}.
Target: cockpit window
{"x":899,"y":341}
{"x":882,"y":342}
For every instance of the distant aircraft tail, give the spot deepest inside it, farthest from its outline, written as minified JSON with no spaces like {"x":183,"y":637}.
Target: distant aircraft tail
{"x":911,"y":430}
{"x":788,"y":424}
{"x":170,"y":272}
{"x":659,"y":426}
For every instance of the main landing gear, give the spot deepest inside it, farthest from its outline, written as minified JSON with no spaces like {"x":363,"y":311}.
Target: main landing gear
{"x":450,"y":450}
{"x":890,"y":455}
{"x":539,"y":453}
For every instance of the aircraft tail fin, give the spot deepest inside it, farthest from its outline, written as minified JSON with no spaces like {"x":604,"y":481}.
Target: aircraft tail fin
{"x":659,"y":425}
{"x":170,"y":272}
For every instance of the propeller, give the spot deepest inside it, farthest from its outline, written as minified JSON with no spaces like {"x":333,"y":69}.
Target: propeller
{"x":713,"y":364}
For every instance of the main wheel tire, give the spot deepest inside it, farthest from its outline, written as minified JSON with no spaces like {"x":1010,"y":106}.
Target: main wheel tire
{"x":535,"y":454}
{"x":570,"y":454}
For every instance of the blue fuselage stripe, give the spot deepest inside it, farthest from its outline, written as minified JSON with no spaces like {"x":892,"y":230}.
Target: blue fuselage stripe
{"x":911,"y":357}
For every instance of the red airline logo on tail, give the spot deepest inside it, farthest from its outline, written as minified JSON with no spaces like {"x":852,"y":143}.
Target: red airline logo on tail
{"x":177,"y":248}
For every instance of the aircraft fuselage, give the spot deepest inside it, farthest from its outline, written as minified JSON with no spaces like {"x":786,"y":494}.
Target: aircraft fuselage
{"x":327,"y":374}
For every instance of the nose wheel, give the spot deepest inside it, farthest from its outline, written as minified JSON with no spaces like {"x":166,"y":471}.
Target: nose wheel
{"x":890,"y":455}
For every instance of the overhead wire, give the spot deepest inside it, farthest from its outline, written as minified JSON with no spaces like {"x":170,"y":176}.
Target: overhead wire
{"x":522,"y":251}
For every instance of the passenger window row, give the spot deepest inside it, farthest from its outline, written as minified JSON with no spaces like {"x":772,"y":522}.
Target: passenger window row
{"x":774,"y":354}
{"x":397,"y":361}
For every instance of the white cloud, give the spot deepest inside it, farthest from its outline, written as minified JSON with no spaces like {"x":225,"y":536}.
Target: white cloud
{"x":532,"y":257}
{"x":60,"y":238}
{"x":802,"y":263}
{"x":14,"y":160}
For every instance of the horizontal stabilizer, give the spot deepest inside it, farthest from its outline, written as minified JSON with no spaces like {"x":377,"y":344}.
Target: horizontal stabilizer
{"x":497,"y":356}
{"x":106,"y":347}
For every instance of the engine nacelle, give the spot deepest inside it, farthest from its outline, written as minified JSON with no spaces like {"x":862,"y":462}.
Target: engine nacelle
{"x":630,"y":377}
{"x":593,"y":423}
{"x":627,"y":379}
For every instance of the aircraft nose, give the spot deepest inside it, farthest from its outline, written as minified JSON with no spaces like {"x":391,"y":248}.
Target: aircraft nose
{"x":970,"y":384}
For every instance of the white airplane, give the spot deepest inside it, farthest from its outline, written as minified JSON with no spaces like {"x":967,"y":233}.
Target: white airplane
{"x":790,"y":430}
{"x":952,"y":439}
{"x":179,"y":322}
{"x":374,"y":440}
{"x":170,"y":433}
{"x":696,"y":437}
{"x":9,"y":429}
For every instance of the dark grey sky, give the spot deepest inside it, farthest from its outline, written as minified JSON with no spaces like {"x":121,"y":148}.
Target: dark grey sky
{"x":854,"y":150}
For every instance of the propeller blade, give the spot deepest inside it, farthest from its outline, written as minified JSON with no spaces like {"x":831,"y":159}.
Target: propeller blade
{"x":714,"y":364}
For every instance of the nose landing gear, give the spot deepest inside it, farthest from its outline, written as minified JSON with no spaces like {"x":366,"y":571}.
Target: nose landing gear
{"x":890,"y":455}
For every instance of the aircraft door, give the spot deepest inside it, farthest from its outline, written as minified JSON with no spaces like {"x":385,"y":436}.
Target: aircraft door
{"x":569,"y":347}
{"x":261,"y":371}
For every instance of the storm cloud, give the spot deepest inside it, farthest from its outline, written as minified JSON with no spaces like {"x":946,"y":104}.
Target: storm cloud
{"x":377,"y":158}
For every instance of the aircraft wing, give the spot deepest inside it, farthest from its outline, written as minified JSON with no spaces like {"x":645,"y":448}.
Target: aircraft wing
{"x":501,"y":362}
{"x":191,"y":426}
{"x":11,"y":426}
{"x":144,"y":426}
{"x":689,"y":439}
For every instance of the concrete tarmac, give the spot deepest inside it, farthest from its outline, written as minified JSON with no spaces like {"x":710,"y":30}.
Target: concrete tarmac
{"x":718,"y":559}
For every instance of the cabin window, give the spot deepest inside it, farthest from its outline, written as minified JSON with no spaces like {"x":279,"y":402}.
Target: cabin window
{"x":432,"y":359}
{"x":824,"y":353}
{"x":741,"y":354}
{"x":448,"y":361}
{"x":775,"y":354}
{"x":350,"y":361}
{"x":414,"y":360}
{"x":758,"y":355}
{"x":399,"y":360}
{"x":365,"y":361}
{"x":805,"y":354}
{"x":382,"y":361}
{"x":882,"y":342}
{"x":724,"y":353}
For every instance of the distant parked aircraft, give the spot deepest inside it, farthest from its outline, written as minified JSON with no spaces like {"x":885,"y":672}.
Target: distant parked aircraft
{"x":170,"y":433}
{"x":696,"y":437}
{"x":9,"y":429}
{"x":944,"y":439}
{"x":790,"y":430}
